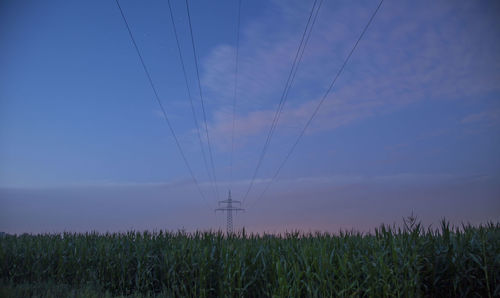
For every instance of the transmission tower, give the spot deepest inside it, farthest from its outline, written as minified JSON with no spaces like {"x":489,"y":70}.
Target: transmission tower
{"x":229,"y":208}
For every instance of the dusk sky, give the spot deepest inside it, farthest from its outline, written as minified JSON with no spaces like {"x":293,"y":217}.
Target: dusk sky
{"x":411,"y":125}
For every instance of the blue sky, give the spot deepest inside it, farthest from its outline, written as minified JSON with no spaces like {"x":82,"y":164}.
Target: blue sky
{"x":411,"y":125}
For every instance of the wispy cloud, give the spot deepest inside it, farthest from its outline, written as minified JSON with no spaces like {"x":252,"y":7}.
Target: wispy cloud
{"x":411,"y":53}
{"x":489,"y":117}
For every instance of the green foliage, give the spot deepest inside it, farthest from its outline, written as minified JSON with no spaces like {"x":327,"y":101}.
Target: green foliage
{"x":392,"y":261}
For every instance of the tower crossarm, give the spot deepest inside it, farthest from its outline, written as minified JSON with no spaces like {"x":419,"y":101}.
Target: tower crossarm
{"x":229,"y":209}
{"x":229,"y":202}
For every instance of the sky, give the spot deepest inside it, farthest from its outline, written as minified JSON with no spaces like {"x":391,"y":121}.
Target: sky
{"x":412,"y":125}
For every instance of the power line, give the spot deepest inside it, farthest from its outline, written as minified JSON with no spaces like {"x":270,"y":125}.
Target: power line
{"x":320,"y":103}
{"x":201,"y":98}
{"x":189,"y":92}
{"x":282,"y":101}
{"x":235,"y":87}
{"x":159,"y":101}
{"x":291,"y":76}
{"x":296,"y":69}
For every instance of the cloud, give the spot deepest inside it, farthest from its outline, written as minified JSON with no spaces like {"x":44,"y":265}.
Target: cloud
{"x":489,"y":117}
{"x":308,"y":203}
{"x":411,"y":53}
{"x":364,"y":206}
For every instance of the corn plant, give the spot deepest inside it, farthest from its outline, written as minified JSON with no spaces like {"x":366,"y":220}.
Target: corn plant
{"x":408,"y":261}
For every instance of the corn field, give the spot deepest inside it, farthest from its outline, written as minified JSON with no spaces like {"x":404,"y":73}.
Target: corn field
{"x":408,"y":261}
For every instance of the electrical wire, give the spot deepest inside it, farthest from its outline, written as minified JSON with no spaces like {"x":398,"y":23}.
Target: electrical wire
{"x":319,"y":104}
{"x":189,"y":93}
{"x":235,"y":88}
{"x":201,"y":98}
{"x":157,"y":97}
{"x":291,"y":76}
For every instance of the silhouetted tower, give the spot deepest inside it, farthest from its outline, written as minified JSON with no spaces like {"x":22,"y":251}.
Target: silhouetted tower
{"x":229,"y":208}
